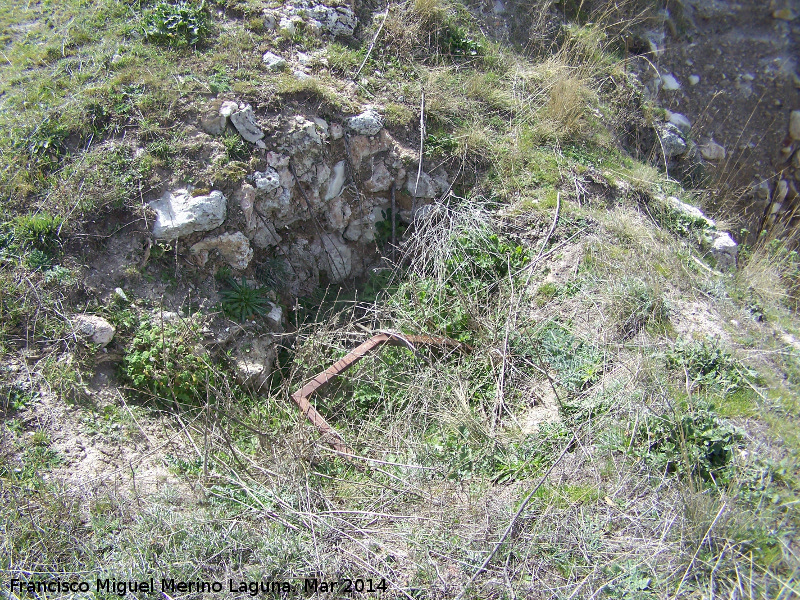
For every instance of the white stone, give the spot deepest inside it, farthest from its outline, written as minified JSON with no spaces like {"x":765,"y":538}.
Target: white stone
{"x":121,"y":294}
{"x":794,"y":125}
{"x":425,"y":188}
{"x":725,"y":250}
{"x":712,"y":151}
{"x":336,"y":183}
{"x":367,"y":123}
{"x":301,"y":75}
{"x":254,"y":359}
{"x":234,"y":248}
{"x":671,"y":141}
{"x":247,"y":200}
{"x":689,"y":210}
{"x":228,"y":108}
{"x":97,"y":329}
{"x":680,"y":121}
{"x":694,"y":80}
{"x":337,"y":260}
{"x":669,"y":83}
{"x":275,"y":318}
{"x":273,"y":62}
{"x":381,"y":179}
{"x":244,"y":120}
{"x":178,"y":213}
{"x":267,"y":180}
{"x":286,"y":27}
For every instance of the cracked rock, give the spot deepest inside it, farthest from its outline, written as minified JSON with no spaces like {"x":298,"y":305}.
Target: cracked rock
{"x":367,"y":123}
{"x":97,"y":329}
{"x":234,"y":248}
{"x":178,"y":213}
{"x":244,"y":120}
{"x":725,"y":250}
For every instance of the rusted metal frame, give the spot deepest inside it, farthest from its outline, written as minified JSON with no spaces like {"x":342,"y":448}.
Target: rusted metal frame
{"x":301,"y":396}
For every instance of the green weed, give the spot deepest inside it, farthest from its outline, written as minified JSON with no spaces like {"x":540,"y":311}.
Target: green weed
{"x":165,"y":361}
{"x":708,"y":365}
{"x":694,"y":443}
{"x":242,"y":302}
{"x":179,"y":24}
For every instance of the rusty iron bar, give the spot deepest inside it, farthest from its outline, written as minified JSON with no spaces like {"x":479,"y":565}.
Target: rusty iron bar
{"x":301,"y":396}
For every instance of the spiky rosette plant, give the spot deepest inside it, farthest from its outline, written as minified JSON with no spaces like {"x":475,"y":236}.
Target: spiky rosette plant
{"x":242,"y":301}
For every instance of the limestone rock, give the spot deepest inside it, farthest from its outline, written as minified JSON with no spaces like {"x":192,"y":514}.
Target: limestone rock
{"x":247,"y":200}
{"x":338,"y":214}
{"x":178,"y":213}
{"x":234,"y":248}
{"x":669,"y":83}
{"x":336,"y":182}
{"x":426,"y":188}
{"x":694,"y":80}
{"x":211,"y":121}
{"x":712,"y":151}
{"x":672,"y":141}
{"x":267,"y":180}
{"x":275,"y":318}
{"x":254,"y":359}
{"x":265,"y":236}
{"x":688,"y":210}
{"x":725,"y":250}
{"x":97,"y":329}
{"x":273,"y":62}
{"x":367,"y":123}
{"x":381,"y":179}
{"x":680,"y":121}
{"x":337,"y":260}
{"x":228,"y":108}
{"x":245,"y":122}
{"x":362,"y":146}
{"x":794,"y":125}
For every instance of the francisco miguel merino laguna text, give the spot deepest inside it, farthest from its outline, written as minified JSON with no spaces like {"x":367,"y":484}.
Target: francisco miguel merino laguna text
{"x":252,"y":588}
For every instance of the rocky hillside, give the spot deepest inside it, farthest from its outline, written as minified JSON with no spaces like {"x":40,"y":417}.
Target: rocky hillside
{"x":584,"y":276}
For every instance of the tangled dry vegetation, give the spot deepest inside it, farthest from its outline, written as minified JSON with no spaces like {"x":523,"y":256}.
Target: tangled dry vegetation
{"x":623,"y":426}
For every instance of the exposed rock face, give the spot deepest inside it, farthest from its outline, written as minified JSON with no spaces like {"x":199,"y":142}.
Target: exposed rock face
{"x":680,"y":121}
{"x":336,"y":182}
{"x":234,"y":248}
{"x":178,"y":213}
{"x":273,"y":62}
{"x":712,"y":151}
{"x":317,"y":19}
{"x":672,"y":142}
{"x":724,"y":250}
{"x":97,"y":329}
{"x":367,"y":123}
{"x":794,"y":125}
{"x":245,"y":122}
{"x":254,"y":359}
{"x":689,"y":210}
{"x":337,"y":261}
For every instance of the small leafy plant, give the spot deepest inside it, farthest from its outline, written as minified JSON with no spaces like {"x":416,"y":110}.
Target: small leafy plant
{"x":709,"y":365}
{"x":179,"y":24}
{"x":166,"y":361}
{"x":695,"y":443}
{"x":242,"y":301}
